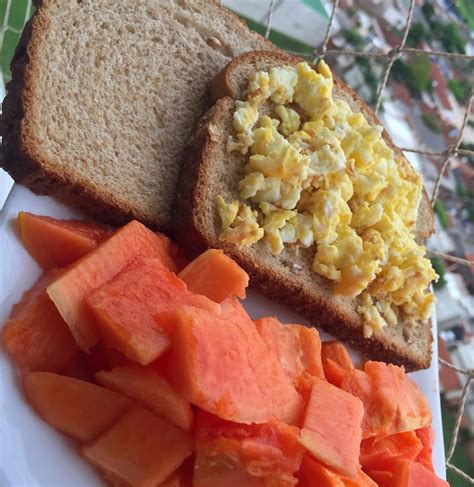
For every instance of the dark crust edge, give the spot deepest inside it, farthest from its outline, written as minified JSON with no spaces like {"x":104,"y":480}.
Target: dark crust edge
{"x":190,"y":231}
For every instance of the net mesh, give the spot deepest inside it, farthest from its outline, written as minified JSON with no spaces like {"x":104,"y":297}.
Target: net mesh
{"x":446,"y":156}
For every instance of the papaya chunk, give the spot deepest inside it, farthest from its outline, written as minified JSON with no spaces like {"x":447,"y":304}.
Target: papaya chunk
{"x":140,"y":449}
{"x":270,"y":451}
{"x":91,"y":271}
{"x":314,"y":474}
{"x":331,"y":429}
{"x":336,"y":361}
{"x":297,"y":347}
{"x":224,"y":367}
{"x":125,"y":308}
{"x":381,"y":477}
{"x":35,"y":335}
{"x":216,"y":276}
{"x":425,"y":457}
{"x":144,"y":385}
{"x":77,"y":408}
{"x":382,"y":454}
{"x":217,"y":471}
{"x":392,"y":401}
{"x":407,"y":473}
{"x":58,"y":243}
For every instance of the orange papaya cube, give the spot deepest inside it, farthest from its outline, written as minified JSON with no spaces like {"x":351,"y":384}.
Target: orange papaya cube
{"x":314,"y":474}
{"x":392,"y":401}
{"x":224,"y":367}
{"x":332,"y":429}
{"x":183,"y":477}
{"x":382,"y":478}
{"x":270,"y":450}
{"x":35,"y":335}
{"x":77,"y":408}
{"x":125,"y":308}
{"x":383,"y":453}
{"x":58,"y":243}
{"x":216,"y":276}
{"x":217,"y":471}
{"x":336,"y":361}
{"x":425,"y":457}
{"x":145,"y":386}
{"x":140,"y":449}
{"x":297,"y":347}
{"x":407,"y":473}
{"x":99,"y":266}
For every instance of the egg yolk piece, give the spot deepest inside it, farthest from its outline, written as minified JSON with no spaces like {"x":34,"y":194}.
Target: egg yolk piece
{"x":319,"y":176}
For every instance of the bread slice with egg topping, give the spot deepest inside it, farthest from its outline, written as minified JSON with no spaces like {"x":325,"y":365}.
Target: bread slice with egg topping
{"x":211,"y":171}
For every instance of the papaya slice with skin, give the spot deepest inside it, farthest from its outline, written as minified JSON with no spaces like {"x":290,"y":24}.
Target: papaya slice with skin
{"x":331,"y":430}
{"x":126,"y":307}
{"x":140,"y":449}
{"x":297,"y":347}
{"x":269,"y":451}
{"x":58,"y":243}
{"x":216,"y":276}
{"x":75,"y":407}
{"x":35,"y":335}
{"x":91,"y":271}
{"x":145,"y":386}
{"x":392,"y":401}
{"x":223,"y":366}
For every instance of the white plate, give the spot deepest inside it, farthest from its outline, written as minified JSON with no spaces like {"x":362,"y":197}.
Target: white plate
{"x":33,"y":454}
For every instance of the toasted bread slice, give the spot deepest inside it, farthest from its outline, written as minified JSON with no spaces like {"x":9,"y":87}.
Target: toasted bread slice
{"x":106,"y":93}
{"x":209,"y":170}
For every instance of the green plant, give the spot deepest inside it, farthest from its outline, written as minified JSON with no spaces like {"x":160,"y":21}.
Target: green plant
{"x":460,"y":89}
{"x":467,"y":146}
{"x":428,"y":11}
{"x":418,"y":33}
{"x":448,"y":34}
{"x":439,"y":268}
{"x":431,"y":122}
{"x":440,"y":211}
{"x":462,"y":191}
{"x":416,"y":74}
{"x":354,"y":38}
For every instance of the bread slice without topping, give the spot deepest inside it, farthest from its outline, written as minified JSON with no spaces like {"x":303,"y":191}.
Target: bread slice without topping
{"x":106,"y":93}
{"x":209,"y":170}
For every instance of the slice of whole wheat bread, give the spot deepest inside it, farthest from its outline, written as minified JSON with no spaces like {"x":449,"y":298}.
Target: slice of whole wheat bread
{"x":105,"y":94}
{"x":209,"y":170}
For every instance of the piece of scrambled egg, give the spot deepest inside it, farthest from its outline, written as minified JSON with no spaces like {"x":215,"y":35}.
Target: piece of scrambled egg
{"x":319,"y":175}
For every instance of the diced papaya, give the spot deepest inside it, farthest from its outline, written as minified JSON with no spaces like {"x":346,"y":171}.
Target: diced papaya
{"x":381,"y":477}
{"x":297,"y":347}
{"x":270,"y":451}
{"x":219,"y":471}
{"x":99,"y":266}
{"x":74,"y":407}
{"x":224,"y":367}
{"x":392,"y":401}
{"x":331,"y":429}
{"x":336,"y":361}
{"x":58,"y":243}
{"x":144,"y":385}
{"x":382,"y":454}
{"x":425,"y":457}
{"x":232,"y":308}
{"x":125,"y":308}
{"x":183,"y":477}
{"x":216,"y":276}
{"x":314,"y":474}
{"x":140,"y":449}
{"x":407,"y":473}
{"x":35,"y":335}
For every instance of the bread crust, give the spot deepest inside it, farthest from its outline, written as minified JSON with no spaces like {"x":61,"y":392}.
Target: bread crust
{"x":332,"y":314}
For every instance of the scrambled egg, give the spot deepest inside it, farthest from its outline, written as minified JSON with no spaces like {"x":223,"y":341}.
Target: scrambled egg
{"x":319,"y":175}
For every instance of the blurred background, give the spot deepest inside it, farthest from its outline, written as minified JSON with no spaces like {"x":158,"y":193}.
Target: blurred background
{"x":422,"y":107}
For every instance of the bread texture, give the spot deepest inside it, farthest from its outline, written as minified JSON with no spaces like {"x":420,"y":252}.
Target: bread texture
{"x":209,"y":170}
{"x":105,"y":94}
